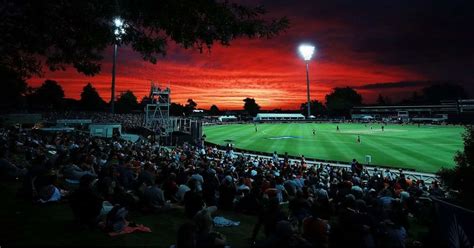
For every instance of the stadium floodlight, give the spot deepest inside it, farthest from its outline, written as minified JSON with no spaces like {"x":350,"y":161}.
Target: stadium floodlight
{"x":307,"y":52}
{"x":119,"y":30}
{"x":118,"y":22}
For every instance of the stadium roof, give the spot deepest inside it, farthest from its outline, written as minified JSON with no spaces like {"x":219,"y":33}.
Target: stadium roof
{"x":280,"y":115}
{"x":227,"y":117}
{"x":401,"y":106}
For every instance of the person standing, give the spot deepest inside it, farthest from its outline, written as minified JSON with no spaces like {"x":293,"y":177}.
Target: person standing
{"x":275,"y":158}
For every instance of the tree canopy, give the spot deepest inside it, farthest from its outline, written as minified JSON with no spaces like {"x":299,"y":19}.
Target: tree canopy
{"x":443,"y":91}
{"x":341,"y":100}
{"x":58,"y":34}
{"x":317,"y":108}
{"x":91,"y":100}
{"x":190,"y":106}
{"x":13,"y":88}
{"x":50,"y":94}
{"x":381,"y":100}
{"x":127,"y":102}
{"x":461,"y":177}
{"x":176,"y":109}
{"x":214,"y":110}
{"x":436,"y":92}
{"x":251,"y":106}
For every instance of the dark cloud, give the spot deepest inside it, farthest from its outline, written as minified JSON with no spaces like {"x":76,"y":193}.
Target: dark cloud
{"x":394,"y":85}
{"x":425,"y":36}
{"x":405,"y":86}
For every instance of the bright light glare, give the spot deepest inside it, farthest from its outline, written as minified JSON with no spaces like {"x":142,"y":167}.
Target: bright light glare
{"x":306,"y":51}
{"x":118,"y":22}
{"x":119,"y":28}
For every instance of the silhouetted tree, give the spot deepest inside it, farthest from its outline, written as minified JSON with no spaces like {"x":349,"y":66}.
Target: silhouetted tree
{"x":145,"y":100}
{"x":277,"y":110}
{"x":190,"y":106}
{"x":13,"y":89}
{"x":251,"y":106}
{"x":443,"y":91}
{"x":214,"y":110}
{"x":381,"y":100}
{"x":50,"y":95}
{"x":436,"y":92}
{"x":176,"y":109}
{"x":91,"y":100}
{"x":341,"y":100}
{"x":461,"y":177}
{"x":63,"y":33}
{"x":71,"y":104}
{"x":127,"y":102}
{"x":415,"y":98}
{"x":317,"y":108}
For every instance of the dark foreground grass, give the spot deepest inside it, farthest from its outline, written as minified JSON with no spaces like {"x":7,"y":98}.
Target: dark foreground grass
{"x":24,"y":223}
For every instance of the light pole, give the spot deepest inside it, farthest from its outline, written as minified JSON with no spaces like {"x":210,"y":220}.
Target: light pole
{"x":118,"y":32}
{"x":307,"y":52}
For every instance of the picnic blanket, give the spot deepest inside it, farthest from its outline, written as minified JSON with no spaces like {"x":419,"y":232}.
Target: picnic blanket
{"x":220,"y":221}
{"x":129,"y":229}
{"x":126,"y":230}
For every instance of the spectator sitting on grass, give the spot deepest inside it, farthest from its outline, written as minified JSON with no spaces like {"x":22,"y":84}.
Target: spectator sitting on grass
{"x":7,"y":169}
{"x":74,"y":173}
{"x":187,"y":236}
{"x":269,"y":216}
{"x":285,"y":236}
{"x":206,"y":237}
{"x":86,"y":205}
{"x":154,"y":198}
{"x":193,"y":201}
{"x":227,"y":193}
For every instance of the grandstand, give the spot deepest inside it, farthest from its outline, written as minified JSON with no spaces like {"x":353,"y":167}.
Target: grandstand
{"x":449,"y":111}
{"x":278,"y":117}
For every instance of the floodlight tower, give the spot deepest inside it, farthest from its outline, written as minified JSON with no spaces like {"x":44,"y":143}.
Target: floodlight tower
{"x":157,"y":112}
{"x":118,"y":32}
{"x":307,"y":52}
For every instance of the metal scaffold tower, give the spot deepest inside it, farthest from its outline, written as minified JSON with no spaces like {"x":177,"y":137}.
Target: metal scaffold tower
{"x":157,"y":112}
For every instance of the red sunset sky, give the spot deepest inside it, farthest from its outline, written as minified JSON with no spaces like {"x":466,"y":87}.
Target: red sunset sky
{"x":271,"y":71}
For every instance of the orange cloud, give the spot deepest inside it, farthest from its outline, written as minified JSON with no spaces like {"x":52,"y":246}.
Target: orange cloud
{"x":268,"y":70}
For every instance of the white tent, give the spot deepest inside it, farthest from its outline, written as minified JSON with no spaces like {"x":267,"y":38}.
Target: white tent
{"x":227,"y":118}
{"x":278,"y":117}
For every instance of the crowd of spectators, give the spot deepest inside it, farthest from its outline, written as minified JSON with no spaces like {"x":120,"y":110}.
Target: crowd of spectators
{"x":295,"y":205}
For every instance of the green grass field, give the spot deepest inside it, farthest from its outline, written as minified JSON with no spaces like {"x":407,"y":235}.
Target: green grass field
{"x":426,"y":148}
